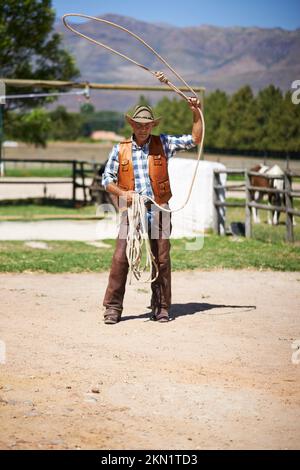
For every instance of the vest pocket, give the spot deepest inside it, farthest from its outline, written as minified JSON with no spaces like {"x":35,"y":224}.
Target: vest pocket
{"x":157,"y":160}
{"x":125,"y":165}
{"x":122,"y":186}
{"x":164,"y":187}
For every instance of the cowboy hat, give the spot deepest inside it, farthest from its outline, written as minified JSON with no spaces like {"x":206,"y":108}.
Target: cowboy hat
{"x":143,"y":114}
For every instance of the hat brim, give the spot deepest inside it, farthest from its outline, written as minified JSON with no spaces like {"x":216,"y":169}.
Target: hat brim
{"x":155,"y":122}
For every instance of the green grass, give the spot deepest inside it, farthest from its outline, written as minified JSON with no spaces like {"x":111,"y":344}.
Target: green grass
{"x":241,"y":178}
{"x":236,"y":178}
{"x":43,"y":211}
{"x":217,"y":252}
{"x":61,"y":257}
{"x":267,"y":249}
{"x":263,"y":231}
{"x":53,"y":172}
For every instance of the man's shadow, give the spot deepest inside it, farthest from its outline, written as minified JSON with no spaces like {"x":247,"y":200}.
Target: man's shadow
{"x":192,"y":308}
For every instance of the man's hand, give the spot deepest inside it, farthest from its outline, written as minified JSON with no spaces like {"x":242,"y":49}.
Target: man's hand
{"x":194,"y":104}
{"x":161,"y":77}
{"x":127,"y":196}
{"x":197,"y":131}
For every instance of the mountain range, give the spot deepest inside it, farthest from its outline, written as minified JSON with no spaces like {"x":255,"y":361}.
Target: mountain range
{"x":209,"y":56}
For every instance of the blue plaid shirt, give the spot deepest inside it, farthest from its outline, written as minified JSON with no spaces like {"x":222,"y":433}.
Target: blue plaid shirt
{"x":171,"y":144}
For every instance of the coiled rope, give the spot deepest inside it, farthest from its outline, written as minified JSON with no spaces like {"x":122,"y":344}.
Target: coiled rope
{"x":136,"y":212}
{"x":137,"y":237}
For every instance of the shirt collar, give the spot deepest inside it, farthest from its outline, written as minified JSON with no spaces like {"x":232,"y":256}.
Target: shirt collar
{"x":136,"y":146}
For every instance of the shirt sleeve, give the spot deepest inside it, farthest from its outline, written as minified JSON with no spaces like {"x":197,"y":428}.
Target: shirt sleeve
{"x":110,"y":174}
{"x":173,"y":143}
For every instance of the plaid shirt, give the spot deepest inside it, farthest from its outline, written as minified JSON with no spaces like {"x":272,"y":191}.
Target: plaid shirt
{"x":140,"y":155}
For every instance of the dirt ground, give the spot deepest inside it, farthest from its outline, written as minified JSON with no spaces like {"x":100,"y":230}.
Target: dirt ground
{"x":222,"y":375}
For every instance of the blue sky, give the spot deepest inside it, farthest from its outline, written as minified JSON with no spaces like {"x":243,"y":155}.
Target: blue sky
{"x":263,"y":13}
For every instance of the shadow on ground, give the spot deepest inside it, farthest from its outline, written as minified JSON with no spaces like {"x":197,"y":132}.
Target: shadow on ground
{"x":192,"y":308}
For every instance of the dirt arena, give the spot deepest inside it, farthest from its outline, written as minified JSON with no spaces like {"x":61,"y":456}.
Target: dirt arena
{"x":221,"y":375}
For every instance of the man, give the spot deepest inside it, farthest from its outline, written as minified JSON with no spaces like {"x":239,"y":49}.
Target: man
{"x":141,"y":165}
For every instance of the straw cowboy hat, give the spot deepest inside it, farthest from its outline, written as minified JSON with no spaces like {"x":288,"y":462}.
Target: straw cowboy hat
{"x":143,"y":114}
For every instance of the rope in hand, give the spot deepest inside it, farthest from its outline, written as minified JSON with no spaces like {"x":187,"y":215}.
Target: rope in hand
{"x":136,"y":212}
{"x":137,"y":237}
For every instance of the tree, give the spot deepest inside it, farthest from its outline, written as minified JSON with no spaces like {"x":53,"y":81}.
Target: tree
{"x":289,"y":131}
{"x":269,"y":109}
{"x":32,"y":127}
{"x":28,"y":47}
{"x":215,"y":112}
{"x":87,"y":109}
{"x":64,"y":125}
{"x":176,"y":116}
{"x":100,"y":120}
{"x":239,"y":127}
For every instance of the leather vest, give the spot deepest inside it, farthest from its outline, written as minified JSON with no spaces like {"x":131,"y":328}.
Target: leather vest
{"x":157,"y":165}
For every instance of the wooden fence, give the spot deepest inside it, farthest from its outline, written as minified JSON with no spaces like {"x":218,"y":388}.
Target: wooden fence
{"x":219,"y":191}
{"x":80,"y":170}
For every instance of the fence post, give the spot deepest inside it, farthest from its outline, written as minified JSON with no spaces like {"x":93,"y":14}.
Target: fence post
{"x":248,"y":225}
{"x":74,"y":170}
{"x":215,"y":199}
{"x":219,"y":211}
{"x":222,"y":209}
{"x":83,"y":180}
{"x":288,"y":205}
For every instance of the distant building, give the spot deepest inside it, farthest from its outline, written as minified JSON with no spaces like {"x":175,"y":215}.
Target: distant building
{"x":106,"y":135}
{"x":10,"y":143}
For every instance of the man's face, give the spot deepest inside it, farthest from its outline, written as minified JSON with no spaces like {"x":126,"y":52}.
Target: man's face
{"x":142,"y":131}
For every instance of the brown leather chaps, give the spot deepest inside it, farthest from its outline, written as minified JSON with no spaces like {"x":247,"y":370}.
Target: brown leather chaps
{"x":160,"y":246}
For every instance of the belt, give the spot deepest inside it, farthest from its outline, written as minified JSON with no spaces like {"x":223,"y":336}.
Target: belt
{"x":148,"y":205}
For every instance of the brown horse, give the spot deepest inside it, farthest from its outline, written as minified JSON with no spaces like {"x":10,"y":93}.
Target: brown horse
{"x":275,"y":199}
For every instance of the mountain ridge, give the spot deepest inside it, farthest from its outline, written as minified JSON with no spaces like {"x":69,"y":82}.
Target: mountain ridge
{"x":207,"y":55}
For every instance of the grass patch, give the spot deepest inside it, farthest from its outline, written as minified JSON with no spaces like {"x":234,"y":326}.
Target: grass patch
{"x":43,"y":211}
{"x":61,"y":257}
{"x":235,"y":178}
{"x":217,"y":252}
{"x":240,"y":177}
{"x":263,"y":232}
{"x":54,"y":172}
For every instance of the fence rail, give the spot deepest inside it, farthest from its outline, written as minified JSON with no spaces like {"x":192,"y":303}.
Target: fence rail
{"x":79,"y":171}
{"x":219,"y":197}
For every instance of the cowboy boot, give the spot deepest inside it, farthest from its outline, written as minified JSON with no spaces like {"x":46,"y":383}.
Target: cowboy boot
{"x":161,"y":288}
{"x":114,"y":295}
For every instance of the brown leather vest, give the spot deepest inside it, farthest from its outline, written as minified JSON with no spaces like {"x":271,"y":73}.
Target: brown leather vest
{"x":158,"y":169}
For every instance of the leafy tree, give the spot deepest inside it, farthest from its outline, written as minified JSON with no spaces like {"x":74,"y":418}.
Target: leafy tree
{"x":268,"y":118}
{"x":32,"y":127}
{"x":176,"y":116}
{"x":87,"y":109}
{"x":30,"y":50}
{"x":28,"y":47}
{"x":238,"y":129}
{"x":64,"y":125}
{"x":289,"y":130}
{"x":215,"y":112}
{"x":100,"y":120}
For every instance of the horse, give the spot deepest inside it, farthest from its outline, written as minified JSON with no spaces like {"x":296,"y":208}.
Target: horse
{"x":274,"y":199}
